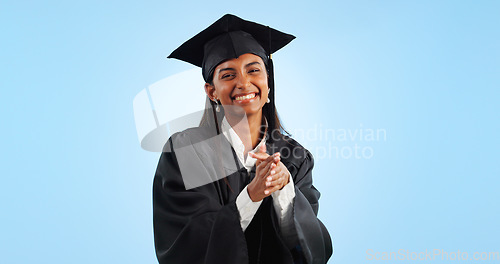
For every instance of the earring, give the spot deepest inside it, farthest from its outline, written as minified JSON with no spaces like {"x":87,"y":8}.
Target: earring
{"x":268,"y":100}
{"x":217,"y":108}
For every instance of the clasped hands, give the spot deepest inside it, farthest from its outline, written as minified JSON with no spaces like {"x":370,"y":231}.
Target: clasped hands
{"x":270,"y":174}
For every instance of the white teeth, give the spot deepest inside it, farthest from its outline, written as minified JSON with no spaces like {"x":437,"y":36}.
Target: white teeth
{"x":245,"y":97}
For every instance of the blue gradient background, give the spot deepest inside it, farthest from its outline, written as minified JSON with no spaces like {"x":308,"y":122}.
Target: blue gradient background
{"x":76,"y":186}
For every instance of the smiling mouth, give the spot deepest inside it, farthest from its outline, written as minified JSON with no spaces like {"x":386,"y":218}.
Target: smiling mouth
{"x":245,"y":97}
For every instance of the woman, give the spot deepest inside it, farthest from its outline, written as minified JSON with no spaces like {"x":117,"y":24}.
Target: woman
{"x":218,"y":196}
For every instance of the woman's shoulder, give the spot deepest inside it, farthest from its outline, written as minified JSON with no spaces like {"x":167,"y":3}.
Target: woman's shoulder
{"x":189,"y":136}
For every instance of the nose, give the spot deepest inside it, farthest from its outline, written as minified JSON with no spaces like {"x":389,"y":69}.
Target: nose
{"x":243,"y":81}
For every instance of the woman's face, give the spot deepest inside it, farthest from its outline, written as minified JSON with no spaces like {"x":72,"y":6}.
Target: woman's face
{"x":240,"y":82}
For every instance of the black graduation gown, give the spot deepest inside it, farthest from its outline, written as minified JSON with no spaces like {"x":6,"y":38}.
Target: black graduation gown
{"x":202,"y":225}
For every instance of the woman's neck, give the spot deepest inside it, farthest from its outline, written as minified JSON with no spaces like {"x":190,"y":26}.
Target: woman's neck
{"x":249,"y":132}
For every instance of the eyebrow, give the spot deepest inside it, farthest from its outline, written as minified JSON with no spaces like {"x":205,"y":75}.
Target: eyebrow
{"x":246,"y":66}
{"x":252,"y":63}
{"x":226,"y":69}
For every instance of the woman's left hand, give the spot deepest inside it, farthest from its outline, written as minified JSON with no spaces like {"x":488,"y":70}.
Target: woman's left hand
{"x":279,"y":175}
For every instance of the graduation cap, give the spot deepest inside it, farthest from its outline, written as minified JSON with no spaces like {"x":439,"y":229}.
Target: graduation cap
{"x":228,"y":38}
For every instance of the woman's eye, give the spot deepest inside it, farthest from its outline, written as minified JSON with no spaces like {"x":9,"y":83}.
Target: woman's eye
{"x":254,"y":70}
{"x":227,"y":76}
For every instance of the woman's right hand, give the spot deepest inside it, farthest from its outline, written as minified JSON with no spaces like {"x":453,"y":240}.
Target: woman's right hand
{"x":257,"y":188}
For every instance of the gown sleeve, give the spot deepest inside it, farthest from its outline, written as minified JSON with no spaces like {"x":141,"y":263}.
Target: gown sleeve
{"x":283,"y":206}
{"x":314,"y":240}
{"x":193,"y":226}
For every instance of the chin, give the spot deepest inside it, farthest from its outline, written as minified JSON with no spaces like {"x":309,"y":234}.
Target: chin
{"x":253,"y":111}
{"x":248,"y":111}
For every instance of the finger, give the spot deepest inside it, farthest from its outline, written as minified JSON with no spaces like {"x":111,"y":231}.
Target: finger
{"x":269,"y":175}
{"x":277,"y":179}
{"x":267,"y":168}
{"x":277,"y":157}
{"x":269,"y":159}
{"x":262,"y":148}
{"x":273,"y":172}
{"x":284,"y":173}
{"x":262,"y":156}
{"x":259,"y":155}
{"x":272,"y":189}
{"x":257,"y":163}
{"x":263,"y":169}
{"x":277,"y":182}
{"x":277,"y":168}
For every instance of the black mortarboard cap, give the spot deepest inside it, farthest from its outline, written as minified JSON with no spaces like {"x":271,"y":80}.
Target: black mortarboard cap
{"x":228,"y":38}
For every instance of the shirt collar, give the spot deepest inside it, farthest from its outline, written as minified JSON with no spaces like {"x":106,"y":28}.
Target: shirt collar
{"x":237,"y":143}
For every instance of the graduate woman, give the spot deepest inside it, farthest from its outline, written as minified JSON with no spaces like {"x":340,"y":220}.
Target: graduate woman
{"x":236,"y":190}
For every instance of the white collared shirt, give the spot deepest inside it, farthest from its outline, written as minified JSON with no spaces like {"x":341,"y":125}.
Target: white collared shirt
{"x":282,"y":199}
